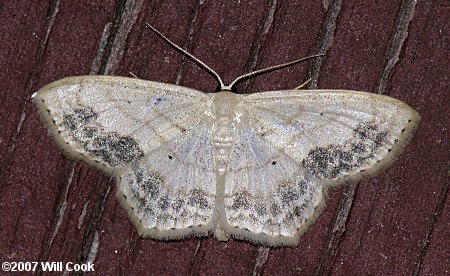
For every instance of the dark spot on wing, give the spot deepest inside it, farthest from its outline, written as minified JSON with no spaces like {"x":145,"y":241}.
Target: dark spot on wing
{"x":260,"y":208}
{"x":108,"y":146}
{"x":157,"y":100}
{"x":146,"y":189}
{"x":79,"y":118}
{"x":275,"y":209}
{"x":303,"y":186}
{"x":333,"y":160}
{"x":151,"y":184}
{"x":154,"y":199}
{"x":241,"y":200}
{"x":289,"y":194}
{"x":198,"y":198}
{"x":177,"y":204}
{"x":164,"y":203}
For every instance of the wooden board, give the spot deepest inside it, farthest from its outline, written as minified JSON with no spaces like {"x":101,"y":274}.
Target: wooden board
{"x":55,"y":209}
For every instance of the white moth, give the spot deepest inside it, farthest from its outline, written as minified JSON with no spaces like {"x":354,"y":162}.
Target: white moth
{"x":254,"y":167}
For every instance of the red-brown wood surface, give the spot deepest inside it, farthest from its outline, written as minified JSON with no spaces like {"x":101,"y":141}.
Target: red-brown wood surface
{"x":55,"y":209}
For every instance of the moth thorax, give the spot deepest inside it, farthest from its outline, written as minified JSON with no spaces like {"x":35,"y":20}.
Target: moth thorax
{"x":224,"y":131}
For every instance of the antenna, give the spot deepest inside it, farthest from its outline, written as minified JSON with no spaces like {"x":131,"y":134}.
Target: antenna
{"x":270,"y":69}
{"x":210,"y":71}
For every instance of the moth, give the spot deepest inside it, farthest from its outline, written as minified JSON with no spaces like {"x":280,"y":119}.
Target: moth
{"x":254,"y":167}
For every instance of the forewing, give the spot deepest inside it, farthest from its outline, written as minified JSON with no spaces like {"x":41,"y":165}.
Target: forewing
{"x":269,"y":198}
{"x":113,"y":121}
{"x":170,"y":193}
{"x":335,"y":135}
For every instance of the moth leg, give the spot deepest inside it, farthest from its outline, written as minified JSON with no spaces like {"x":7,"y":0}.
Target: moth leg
{"x":303,"y":84}
{"x":134,"y":76}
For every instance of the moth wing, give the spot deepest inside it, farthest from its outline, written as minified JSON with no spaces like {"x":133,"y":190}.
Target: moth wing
{"x":335,"y":135}
{"x":112,"y":121}
{"x":291,"y":144}
{"x":268,"y":197}
{"x":170,"y":193}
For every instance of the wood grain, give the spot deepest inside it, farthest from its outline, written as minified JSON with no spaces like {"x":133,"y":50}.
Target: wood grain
{"x":55,"y":209}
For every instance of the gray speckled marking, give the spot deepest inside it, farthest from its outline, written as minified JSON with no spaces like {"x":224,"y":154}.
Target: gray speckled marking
{"x":289,"y":205}
{"x":152,"y":200}
{"x":178,"y":204}
{"x":140,"y":199}
{"x":296,"y":213}
{"x":330,"y":161}
{"x":145,"y":189}
{"x":164,"y":203}
{"x":241,"y":200}
{"x":198,"y":198}
{"x":109,"y":147}
{"x":275,"y":210}
{"x":80,"y":118}
{"x":303,"y":185}
{"x":260,"y":208}
{"x":151,"y":184}
{"x":289,"y":194}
